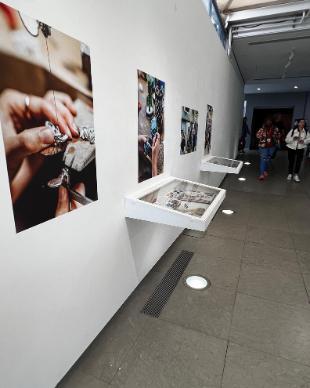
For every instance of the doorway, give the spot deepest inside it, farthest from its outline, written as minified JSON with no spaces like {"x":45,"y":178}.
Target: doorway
{"x":281,"y":117}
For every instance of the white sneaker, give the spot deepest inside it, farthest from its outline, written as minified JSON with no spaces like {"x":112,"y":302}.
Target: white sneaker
{"x":289,"y":177}
{"x":296,"y":178}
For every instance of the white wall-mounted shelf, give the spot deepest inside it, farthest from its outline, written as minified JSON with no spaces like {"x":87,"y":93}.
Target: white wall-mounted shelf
{"x":219,"y":164}
{"x":176,"y":202}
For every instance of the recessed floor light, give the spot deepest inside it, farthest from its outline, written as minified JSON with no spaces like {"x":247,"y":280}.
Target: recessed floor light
{"x":197,"y":282}
{"x":228,"y":212}
{"x":259,"y":89}
{"x":247,"y":163}
{"x":241,"y":179}
{"x":295,"y":87}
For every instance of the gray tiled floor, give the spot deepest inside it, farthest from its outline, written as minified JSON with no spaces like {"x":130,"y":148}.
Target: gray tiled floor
{"x":250,"y":329}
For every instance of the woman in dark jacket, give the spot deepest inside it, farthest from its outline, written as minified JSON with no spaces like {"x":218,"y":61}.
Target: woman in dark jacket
{"x":296,"y":140}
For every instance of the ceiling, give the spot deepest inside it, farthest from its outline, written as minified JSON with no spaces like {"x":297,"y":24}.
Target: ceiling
{"x":271,"y":43}
{"x":266,"y":57}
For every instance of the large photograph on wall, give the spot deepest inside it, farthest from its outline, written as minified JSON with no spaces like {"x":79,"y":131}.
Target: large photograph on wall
{"x":189,"y":130}
{"x":208,"y":131}
{"x":46,"y":114}
{"x":184,"y":197}
{"x":151,"y":126}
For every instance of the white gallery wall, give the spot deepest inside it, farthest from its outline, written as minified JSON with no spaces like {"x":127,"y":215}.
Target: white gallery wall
{"x":62,"y":281}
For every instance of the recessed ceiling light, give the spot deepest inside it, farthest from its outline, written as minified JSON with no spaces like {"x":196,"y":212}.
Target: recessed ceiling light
{"x":295,"y":87}
{"x":247,"y":163}
{"x":228,"y":212}
{"x":197,"y":282}
{"x":259,"y":89}
{"x":241,"y":179}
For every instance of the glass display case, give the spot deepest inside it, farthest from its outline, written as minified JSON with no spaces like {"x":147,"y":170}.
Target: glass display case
{"x":176,"y":202}
{"x":220,"y":164}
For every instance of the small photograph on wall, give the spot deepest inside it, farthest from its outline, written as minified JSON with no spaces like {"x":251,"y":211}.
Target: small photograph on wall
{"x":189,"y":130}
{"x":184,"y":197}
{"x":46,"y":115}
{"x":151,"y":126}
{"x":208,"y":131}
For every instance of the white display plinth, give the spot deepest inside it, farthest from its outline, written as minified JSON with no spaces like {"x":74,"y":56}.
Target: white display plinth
{"x":219,"y":164}
{"x":139,"y":208}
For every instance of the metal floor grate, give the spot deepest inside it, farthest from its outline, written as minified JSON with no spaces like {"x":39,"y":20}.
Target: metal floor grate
{"x":163,"y":291}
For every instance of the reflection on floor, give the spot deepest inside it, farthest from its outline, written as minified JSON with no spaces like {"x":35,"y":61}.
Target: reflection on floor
{"x":251,"y":329}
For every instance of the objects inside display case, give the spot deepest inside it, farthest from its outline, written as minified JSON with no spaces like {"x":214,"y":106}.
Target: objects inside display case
{"x":224,"y":162}
{"x":185,"y":197}
{"x":220,"y":164}
{"x":176,"y":202}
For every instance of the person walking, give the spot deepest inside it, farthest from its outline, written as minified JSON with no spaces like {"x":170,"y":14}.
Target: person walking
{"x":244,"y":132}
{"x":296,"y":140}
{"x":268,"y":137}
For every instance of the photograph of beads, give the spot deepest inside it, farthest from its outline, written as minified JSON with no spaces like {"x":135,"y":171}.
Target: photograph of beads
{"x":151,"y":126}
{"x":46,"y":115}
{"x":184,"y":197}
{"x":208,"y":131}
{"x":189,"y":130}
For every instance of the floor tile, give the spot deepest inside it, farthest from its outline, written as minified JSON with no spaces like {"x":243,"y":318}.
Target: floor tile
{"x":246,"y":368}
{"x":105,"y":354}
{"x":300,"y":225}
{"x":269,"y":217}
{"x":274,"y":201}
{"x":270,"y":237}
{"x":208,"y":311}
{"x":77,"y":379}
{"x":169,"y":356}
{"x":225,"y":248}
{"x":184,"y":242}
{"x":304,"y":261}
{"x":221,"y":272}
{"x":241,"y":213}
{"x":278,"y":258}
{"x":272,"y":327}
{"x":227,"y":228}
{"x":301,"y":242}
{"x":273,"y":284}
{"x":307,"y":283}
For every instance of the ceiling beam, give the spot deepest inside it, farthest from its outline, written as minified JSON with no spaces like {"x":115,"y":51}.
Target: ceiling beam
{"x":269,"y":11}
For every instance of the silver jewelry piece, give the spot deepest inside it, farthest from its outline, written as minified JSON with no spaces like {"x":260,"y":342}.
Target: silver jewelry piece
{"x":59,"y":137}
{"x":62,"y":179}
{"x":87,"y":133}
{"x":59,"y":140}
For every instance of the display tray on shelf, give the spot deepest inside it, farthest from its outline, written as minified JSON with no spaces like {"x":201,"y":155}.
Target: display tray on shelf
{"x":176,"y":202}
{"x":220,"y":164}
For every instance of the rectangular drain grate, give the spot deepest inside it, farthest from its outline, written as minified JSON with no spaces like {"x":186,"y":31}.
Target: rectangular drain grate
{"x":163,"y":291}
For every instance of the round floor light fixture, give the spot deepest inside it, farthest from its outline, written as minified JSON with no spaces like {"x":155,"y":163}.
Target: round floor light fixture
{"x":197,"y":282}
{"x":241,"y":179}
{"x":247,"y":163}
{"x":228,"y":212}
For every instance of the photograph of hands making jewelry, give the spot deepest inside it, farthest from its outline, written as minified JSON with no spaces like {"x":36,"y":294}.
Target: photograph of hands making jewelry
{"x":151,"y":130}
{"x":46,"y":115}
